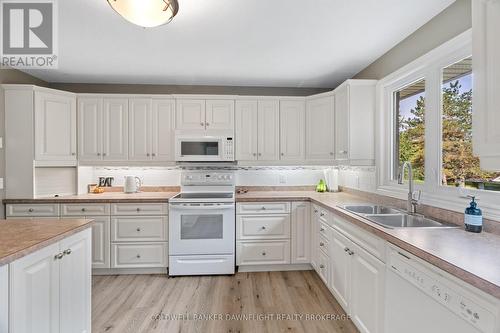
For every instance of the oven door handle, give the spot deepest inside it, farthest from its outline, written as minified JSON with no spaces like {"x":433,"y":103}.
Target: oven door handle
{"x":201,"y":207}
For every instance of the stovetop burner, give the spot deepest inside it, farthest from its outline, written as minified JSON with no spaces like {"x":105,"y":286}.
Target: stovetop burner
{"x":204,"y":195}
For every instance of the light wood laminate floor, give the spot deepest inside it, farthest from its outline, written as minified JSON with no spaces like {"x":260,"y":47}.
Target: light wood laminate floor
{"x":148,"y":303}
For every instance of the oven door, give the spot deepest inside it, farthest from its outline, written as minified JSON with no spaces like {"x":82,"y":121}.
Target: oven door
{"x":198,"y":149}
{"x":201,"y":228}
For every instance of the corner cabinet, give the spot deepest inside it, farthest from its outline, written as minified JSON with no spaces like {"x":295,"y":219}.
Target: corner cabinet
{"x":485,"y":55}
{"x":50,"y":289}
{"x":355,"y":114}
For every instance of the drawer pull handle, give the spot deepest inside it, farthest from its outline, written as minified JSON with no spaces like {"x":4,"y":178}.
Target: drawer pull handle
{"x":315,"y":210}
{"x":83,"y":209}
{"x":321,"y":266}
{"x":30,"y":210}
{"x":263,"y":253}
{"x":322,"y":214}
{"x":263,"y":208}
{"x":138,"y":209}
{"x":263,"y":228}
{"x":350,"y":252}
{"x":346,"y":249}
{"x":202,"y":124}
{"x":322,"y":229}
{"x":67,"y":252}
{"x":138,"y":256}
{"x":59,"y":256}
{"x":321,"y":244}
{"x":138,"y":229}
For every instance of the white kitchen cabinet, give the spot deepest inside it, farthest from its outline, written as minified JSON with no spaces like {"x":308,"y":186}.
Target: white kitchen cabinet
{"x":355,"y":114}
{"x":341,"y":269}
{"x":485,"y":55}
{"x":219,"y":114}
{"x":163,"y":117}
{"x":75,"y":283}
{"x":367,"y":291}
{"x":4,"y":298}
{"x":55,"y":127}
{"x":301,"y":233}
{"x":115,"y":129}
{"x":89,"y":128}
{"x":314,"y":235}
{"x":190,"y":114}
{"x":140,"y":129}
{"x":49,"y":289}
{"x":263,"y":226}
{"x":246,"y":133}
{"x":101,"y":241}
{"x":268,"y":130}
{"x":268,"y":252}
{"x":320,"y":129}
{"x":292,"y":130}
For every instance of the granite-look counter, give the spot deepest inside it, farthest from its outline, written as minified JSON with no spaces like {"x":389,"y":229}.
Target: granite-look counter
{"x":473,"y":258}
{"x":19,"y":238}
{"x":106,"y":197}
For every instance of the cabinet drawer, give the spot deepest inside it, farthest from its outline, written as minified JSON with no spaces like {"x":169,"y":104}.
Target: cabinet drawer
{"x":84,"y":209}
{"x":140,"y":228}
{"x":322,"y":267}
{"x":139,"y":209}
{"x":33,"y":210}
{"x":261,"y":253}
{"x":323,"y":244}
{"x":145,"y":255}
{"x":264,"y":208}
{"x":263,"y":227}
{"x":324,"y":230}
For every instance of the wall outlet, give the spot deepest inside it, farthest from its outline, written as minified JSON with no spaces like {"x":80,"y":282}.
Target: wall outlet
{"x":282,"y":179}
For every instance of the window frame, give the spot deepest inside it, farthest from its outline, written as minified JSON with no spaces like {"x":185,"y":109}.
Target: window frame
{"x":430,"y":68}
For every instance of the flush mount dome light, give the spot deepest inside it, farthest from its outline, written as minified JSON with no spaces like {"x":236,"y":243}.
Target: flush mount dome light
{"x":146,"y":13}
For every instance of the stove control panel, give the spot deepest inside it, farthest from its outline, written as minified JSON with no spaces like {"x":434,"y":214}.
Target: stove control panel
{"x":207,"y":178}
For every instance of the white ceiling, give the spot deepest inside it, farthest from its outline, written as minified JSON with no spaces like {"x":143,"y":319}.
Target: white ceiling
{"x":282,"y":43}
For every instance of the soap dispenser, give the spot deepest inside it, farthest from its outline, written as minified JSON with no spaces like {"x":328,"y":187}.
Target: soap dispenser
{"x":473,"y":217}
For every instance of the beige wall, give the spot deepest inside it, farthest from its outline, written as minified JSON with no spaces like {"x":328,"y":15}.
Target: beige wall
{"x":175,"y":89}
{"x":10,"y":76}
{"x":454,"y":20}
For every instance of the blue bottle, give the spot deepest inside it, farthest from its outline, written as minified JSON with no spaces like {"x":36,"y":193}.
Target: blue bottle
{"x":473,"y":217}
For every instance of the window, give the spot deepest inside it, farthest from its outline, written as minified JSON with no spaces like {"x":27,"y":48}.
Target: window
{"x":460,"y":167}
{"x":409,"y":143}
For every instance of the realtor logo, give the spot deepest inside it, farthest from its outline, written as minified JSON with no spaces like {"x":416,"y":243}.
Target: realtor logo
{"x":28,"y":33}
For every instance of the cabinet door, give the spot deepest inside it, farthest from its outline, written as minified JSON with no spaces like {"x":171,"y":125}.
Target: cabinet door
{"x":367,"y":291}
{"x":163,"y":129}
{"x":485,"y":55}
{"x":55,"y":127}
{"x":75,"y":283}
{"x":314,"y":236}
{"x":190,"y":114}
{"x":4,"y":296}
{"x":301,"y":233}
{"x":268,"y":132}
{"x":292,"y":130}
{"x":89,"y":129}
{"x":115,"y":129}
{"x":139,"y":129}
{"x":341,"y":268}
{"x":34,"y":292}
{"x":100,"y":241}
{"x":320,"y":129}
{"x":246,"y":130}
{"x":220,"y":114}
{"x":342,"y":123}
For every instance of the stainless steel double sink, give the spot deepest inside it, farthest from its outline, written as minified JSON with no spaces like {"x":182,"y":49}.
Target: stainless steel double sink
{"x":394,"y":218}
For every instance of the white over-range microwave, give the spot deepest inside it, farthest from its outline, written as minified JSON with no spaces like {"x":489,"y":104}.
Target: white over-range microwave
{"x":204,"y":148}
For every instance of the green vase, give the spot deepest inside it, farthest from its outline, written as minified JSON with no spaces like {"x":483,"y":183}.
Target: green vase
{"x":321,"y":187}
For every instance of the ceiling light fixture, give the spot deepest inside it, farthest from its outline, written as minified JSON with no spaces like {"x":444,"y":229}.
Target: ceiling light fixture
{"x":146,"y":13}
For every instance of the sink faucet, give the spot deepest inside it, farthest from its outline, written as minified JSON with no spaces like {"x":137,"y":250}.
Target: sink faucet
{"x":412,"y":202}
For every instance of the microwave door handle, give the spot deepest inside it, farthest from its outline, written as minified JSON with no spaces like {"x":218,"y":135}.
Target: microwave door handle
{"x":201,"y":207}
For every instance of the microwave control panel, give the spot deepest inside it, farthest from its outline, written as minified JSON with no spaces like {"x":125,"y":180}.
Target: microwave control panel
{"x":228,"y":149}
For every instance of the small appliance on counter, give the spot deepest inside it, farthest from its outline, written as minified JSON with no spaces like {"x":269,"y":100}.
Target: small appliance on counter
{"x":132,"y":184}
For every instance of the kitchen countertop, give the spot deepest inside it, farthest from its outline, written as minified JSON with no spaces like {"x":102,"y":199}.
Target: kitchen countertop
{"x":106,"y":197}
{"x":470,"y":257}
{"x":19,"y":238}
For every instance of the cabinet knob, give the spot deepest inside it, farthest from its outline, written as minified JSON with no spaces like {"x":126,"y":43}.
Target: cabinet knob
{"x":254,"y":154}
{"x":263,"y":208}
{"x":263,"y":253}
{"x":260,"y":154}
{"x":207,"y":124}
{"x":98,"y":154}
{"x":202,"y":124}
{"x":322,"y":214}
{"x":315,"y":210}
{"x":322,"y":229}
{"x":331,"y":154}
{"x":30,"y":210}
{"x":73,"y":154}
{"x":342,"y":151}
{"x":83,"y":209}
{"x":282,"y":154}
{"x":263,"y":228}
{"x":138,"y":209}
{"x":67,"y":252}
{"x":346,"y":249}
{"x":59,"y":256}
{"x":321,"y":244}
{"x":350,"y":252}
{"x":321,"y":266}
{"x":147,"y":154}
{"x":138,"y":256}
{"x":103,"y":154}
{"x":153,"y":154}
{"x":138,"y":229}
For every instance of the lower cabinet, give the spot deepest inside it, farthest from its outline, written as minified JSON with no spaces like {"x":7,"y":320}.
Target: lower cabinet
{"x":301,"y":233}
{"x":101,"y":242}
{"x":4,"y":298}
{"x":50,"y":289}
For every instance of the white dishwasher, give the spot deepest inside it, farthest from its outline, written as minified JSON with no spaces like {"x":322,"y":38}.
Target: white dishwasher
{"x":419,"y":299}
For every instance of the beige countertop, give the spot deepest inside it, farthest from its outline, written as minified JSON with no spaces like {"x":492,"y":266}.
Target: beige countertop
{"x":473,"y":258}
{"x":19,"y":238}
{"x":106,"y":197}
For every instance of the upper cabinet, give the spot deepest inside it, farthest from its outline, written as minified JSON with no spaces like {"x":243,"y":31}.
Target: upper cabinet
{"x":102,"y":129}
{"x":246,"y":130}
{"x":55,"y":127}
{"x":292,"y":130}
{"x":268,"y":130}
{"x":485,"y":55}
{"x":200,"y":114}
{"x":320,"y":129}
{"x":355,"y":122}
{"x":163,"y":117}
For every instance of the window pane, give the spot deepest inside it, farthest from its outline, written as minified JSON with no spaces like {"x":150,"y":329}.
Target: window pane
{"x":410,"y":128}
{"x":460,"y":166}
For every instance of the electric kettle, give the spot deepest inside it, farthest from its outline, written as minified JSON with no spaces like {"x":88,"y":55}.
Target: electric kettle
{"x":132,"y":184}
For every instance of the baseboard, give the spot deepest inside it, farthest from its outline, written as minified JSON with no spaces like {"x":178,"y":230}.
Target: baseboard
{"x":274,"y":268}
{"x":128,"y":271}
